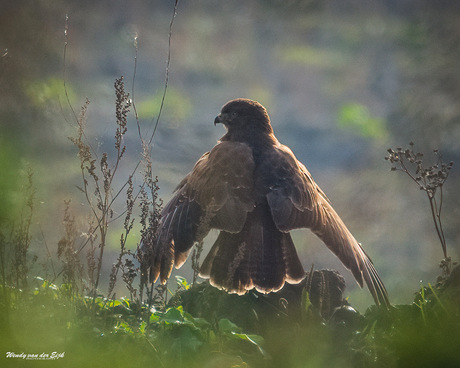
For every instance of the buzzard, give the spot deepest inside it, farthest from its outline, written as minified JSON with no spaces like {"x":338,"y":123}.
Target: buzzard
{"x":254,"y":190}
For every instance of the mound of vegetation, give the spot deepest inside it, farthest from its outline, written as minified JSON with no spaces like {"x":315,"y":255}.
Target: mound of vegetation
{"x":201,"y":326}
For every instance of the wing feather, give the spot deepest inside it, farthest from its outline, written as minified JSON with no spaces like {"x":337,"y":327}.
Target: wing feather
{"x":296,"y":201}
{"x":217,"y":193}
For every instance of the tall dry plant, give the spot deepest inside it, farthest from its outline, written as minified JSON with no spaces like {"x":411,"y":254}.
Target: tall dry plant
{"x":99,"y":178}
{"x":431,"y":180}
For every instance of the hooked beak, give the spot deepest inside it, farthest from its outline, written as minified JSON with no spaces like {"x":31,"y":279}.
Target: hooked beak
{"x":221,"y":119}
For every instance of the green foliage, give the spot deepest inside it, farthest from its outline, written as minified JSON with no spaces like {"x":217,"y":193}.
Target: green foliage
{"x":105,"y":332}
{"x":51,"y":90}
{"x":182,"y":283}
{"x":90,"y":325}
{"x":358,"y":119}
{"x":311,"y":57}
{"x":177,"y":110}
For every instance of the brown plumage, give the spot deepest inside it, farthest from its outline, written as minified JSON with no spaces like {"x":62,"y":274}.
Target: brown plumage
{"x":254,"y":190}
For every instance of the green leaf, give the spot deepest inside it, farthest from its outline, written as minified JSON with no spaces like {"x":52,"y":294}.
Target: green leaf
{"x":154,"y":318}
{"x":173,"y":315}
{"x":306,"y":303}
{"x":113,"y":303}
{"x":125,"y":302}
{"x":201,"y":323}
{"x":225,"y":325}
{"x":124,"y":328}
{"x":182,"y":282}
{"x":142,"y":327}
{"x":187,"y":341}
{"x":256,"y":340}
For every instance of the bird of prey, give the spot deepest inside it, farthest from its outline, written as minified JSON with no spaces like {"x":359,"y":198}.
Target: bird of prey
{"x":254,"y":190}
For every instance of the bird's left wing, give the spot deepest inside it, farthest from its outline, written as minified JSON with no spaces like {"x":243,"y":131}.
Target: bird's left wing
{"x":296,"y":201}
{"x":217,"y":193}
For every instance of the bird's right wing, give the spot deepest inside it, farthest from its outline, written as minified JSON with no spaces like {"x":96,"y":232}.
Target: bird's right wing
{"x":217,"y":193}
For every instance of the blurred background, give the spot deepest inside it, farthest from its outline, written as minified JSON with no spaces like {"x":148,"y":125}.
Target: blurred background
{"x":343,"y":80}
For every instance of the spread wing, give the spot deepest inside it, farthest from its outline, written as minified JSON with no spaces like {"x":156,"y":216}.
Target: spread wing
{"x":296,"y":201}
{"x":217,"y":193}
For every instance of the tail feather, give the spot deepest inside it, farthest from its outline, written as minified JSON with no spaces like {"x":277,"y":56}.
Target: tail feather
{"x":294,"y":269}
{"x":227,"y":264}
{"x":259,"y":257}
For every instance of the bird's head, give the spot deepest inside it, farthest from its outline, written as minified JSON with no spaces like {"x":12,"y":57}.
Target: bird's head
{"x":244,"y":115}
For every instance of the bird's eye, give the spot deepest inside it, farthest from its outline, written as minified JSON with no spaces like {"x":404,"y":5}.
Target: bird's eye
{"x":234,"y":114}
